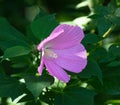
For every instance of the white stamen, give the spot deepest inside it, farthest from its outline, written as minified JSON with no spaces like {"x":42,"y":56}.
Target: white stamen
{"x":49,"y":53}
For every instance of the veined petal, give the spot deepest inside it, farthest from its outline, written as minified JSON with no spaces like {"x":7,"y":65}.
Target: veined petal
{"x":73,"y":59}
{"x":45,"y":41}
{"x":56,"y":70}
{"x":71,"y":36}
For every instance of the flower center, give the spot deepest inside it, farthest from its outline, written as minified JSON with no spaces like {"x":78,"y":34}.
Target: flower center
{"x":49,"y":53}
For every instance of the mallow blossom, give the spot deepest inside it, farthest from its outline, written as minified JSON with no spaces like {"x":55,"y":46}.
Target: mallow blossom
{"x":62,"y":51}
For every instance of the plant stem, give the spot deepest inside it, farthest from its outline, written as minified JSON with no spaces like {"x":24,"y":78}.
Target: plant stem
{"x":109,"y":31}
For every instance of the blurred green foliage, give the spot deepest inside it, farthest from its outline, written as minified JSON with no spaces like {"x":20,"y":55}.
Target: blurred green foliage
{"x":24,"y":23}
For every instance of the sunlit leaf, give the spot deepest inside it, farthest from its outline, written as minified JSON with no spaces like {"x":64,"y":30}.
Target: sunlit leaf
{"x":36,"y":84}
{"x":16,"y":51}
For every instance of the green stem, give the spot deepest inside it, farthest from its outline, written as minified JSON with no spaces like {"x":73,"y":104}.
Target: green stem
{"x":109,"y":31}
{"x":58,"y":83}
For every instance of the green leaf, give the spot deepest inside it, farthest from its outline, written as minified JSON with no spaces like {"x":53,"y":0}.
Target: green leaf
{"x":48,"y":97}
{"x":92,"y":69}
{"x":10,"y":87}
{"x":114,"y":63}
{"x":21,"y":62}
{"x":43,"y":26}
{"x":111,"y":89}
{"x":91,"y":39}
{"x":75,"y":96}
{"x":103,"y":25}
{"x":1,"y":70}
{"x":36,"y":84}
{"x":16,"y":51}
{"x":9,"y":36}
{"x":117,"y":12}
{"x":115,"y":20}
{"x":112,"y":72}
{"x":42,"y":13}
{"x":108,"y":58}
{"x":115,"y":50}
{"x":101,"y":10}
{"x":102,"y":14}
{"x":111,"y":78}
{"x":113,"y":102}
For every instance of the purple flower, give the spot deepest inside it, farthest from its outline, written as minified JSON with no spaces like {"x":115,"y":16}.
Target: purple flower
{"x":62,"y":51}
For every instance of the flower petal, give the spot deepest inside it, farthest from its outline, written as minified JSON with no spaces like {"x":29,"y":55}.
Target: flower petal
{"x":54,"y":35}
{"x":71,"y":36}
{"x":73,"y":59}
{"x":56,"y":70}
{"x":40,"y":68}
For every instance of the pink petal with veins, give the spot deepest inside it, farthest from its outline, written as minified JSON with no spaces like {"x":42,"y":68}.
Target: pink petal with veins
{"x":72,"y":59}
{"x":56,"y":70}
{"x":62,"y":51}
{"x":71,"y":36}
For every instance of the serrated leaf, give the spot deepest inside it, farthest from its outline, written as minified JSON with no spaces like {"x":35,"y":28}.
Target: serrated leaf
{"x":9,"y":36}
{"x":16,"y":51}
{"x":36,"y":84}
{"x":10,"y":87}
{"x":92,"y":69}
{"x":43,"y":26}
{"x":75,"y":96}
